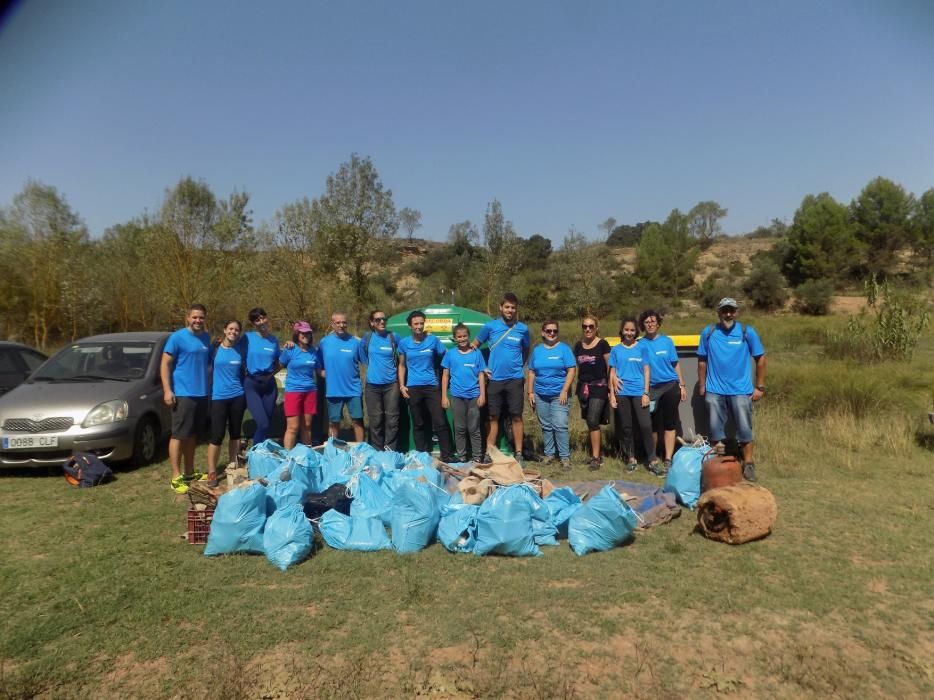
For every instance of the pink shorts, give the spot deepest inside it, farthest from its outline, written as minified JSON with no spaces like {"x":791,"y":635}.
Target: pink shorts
{"x":300,"y":403}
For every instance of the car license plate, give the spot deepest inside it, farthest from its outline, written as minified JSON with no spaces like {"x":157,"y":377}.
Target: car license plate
{"x":29,"y":441}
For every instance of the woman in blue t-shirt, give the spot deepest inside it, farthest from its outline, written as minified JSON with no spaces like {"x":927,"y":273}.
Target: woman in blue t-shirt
{"x":666,"y":387}
{"x":629,"y":381}
{"x":262,"y":363}
{"x":301,"y":384}
{"x":227,"y":398}
{"x":552,"y":366}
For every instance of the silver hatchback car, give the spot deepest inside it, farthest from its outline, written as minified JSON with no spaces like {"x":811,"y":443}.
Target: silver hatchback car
{"x":100,"y":394}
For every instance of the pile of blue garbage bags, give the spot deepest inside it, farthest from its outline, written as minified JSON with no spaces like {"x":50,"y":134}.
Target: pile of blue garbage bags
{"x":402,"y":502}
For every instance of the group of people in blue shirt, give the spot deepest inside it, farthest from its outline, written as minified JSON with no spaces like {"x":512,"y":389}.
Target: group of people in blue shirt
{"x":639,"y":379}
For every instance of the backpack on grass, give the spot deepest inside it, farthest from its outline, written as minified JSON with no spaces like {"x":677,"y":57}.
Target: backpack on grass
{"x":85,"y":470}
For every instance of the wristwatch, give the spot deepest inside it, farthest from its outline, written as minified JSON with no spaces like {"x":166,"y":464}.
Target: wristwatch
{"x":761,"y":387}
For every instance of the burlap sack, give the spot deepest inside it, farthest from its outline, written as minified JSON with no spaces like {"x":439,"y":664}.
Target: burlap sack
{"x":737,"y":514}
{"x":236,"y":475}
{"x":475,"y":490}
{"x":505,"y":470}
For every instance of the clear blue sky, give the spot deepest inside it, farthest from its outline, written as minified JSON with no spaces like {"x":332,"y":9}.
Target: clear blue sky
{"x":567,"y":112}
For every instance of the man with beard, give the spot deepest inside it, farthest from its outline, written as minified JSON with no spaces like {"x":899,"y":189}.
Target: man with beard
{"x":724,"y":379}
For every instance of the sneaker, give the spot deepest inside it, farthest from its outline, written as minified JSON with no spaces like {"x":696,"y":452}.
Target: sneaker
{"x":455,"y":458}
{"x":195,"y":476}
{"x":654,"y":467}
{"x":749,"y":471}
{"x":565,"y":465}
{"x":485,"y":459}
{"x":719,"y":448}
{"x":212,"y":483}
{"x":179,"y":484}
{"x":520,"y":459}
{"x":631,"y":465}
{"x":551,"y":460}
{"x":594,"y":464}
{"x":666,"y":466}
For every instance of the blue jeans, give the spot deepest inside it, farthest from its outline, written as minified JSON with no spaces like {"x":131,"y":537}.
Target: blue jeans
{"x":720,"y":407}
{"x":553,"y":418}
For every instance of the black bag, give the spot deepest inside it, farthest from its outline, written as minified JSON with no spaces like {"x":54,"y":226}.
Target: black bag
{"x":336,"y":497}
{"x":85,"y":470}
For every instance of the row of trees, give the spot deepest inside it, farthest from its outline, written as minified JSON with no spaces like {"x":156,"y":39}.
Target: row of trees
{"x":340,"y":250}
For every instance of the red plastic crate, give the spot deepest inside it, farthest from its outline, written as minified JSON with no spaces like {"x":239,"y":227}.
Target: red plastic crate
{"x":199,"y":525}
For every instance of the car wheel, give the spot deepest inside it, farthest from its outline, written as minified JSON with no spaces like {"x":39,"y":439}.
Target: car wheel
{"x":145,"y":442}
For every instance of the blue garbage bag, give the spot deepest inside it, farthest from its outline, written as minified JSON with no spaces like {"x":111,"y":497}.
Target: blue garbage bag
{"x":684,"y":476}
{"x":428,"y":473}
{"x":416,"y":510}
{"x":305,"y":455}
{"x":505,"y":522}
{"x":355,"y":533}
{"x":562,"y":503}
{"x":264,"y":457}
{"x":603,"y":522}
{"x":293,"y":470}
{"x":457,"y":528}
{"x":288,"y":537}
{"x":386,"y":460}
{"x":414,"y":459}
{"x":369,"y":500}
{"x":280,"y":494}
{"x":336,"y":465}
{"x":361,"y":452}
{"x":238,"y":522}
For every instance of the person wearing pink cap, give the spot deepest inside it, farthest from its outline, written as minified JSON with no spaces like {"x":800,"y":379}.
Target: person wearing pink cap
{"x":301,"y":384}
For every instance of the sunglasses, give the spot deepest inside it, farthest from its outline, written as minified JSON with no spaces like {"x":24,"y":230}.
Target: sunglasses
{"x":587,"y":326}
{"x":550,"y":331}
{"x":379,"y":319}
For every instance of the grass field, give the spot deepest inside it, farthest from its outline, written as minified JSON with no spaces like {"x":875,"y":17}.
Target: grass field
{"x":101,"y":597}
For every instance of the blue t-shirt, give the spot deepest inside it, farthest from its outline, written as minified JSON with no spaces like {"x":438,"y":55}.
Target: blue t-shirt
{"x":377,"y":355}
{"x":506,"y":356}
{"x":464,"y":369}
{"x":302,"y":366}
{"x":339,"y":359}
{"x":420,"y":360}
{"x":662,"y":358}
{"x":261,"y":353}
{"x":729,"y":369}
{"x":550,"y":365}
{"x":227,"y":378}
{"x":629,"y":363}
{"x":191,"y":353}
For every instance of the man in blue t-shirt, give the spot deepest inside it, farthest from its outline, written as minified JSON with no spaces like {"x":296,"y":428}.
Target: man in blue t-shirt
{"x":379,"y":351}
{"x":724,"y":379}
{"x":184,"y":373}
{"x":509,"y":341}
{"x":339,"y":352}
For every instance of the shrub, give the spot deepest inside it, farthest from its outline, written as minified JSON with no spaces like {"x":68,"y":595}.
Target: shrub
{"x":765,"y":286}
{"x":891,"y":330}
{"x":813,"y":297}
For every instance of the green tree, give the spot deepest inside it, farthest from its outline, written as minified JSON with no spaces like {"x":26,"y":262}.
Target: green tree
{"x":410,"y":220}
{"x":626,"y":236}
{"x":821,"y":243}
{"x":357,"y":220}
{"x":607,"y":226}
{"x":537,"y":249}
{"x":881,"y":218}
{"x":704,"y":221}
{"x":294,"y":244}
{"x":50,"y":232}
{"x":923,"y":232}
{"x":765,"y":285}
{"x":667,"y":255}
{"x":503,"y":253}
{"x":124,"y":251}
{"x":582,"y":276}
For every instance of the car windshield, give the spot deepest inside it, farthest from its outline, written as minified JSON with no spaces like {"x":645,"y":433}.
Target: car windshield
{"x":87,"y":362}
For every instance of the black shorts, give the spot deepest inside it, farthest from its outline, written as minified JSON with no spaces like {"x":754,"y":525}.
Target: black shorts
{"x":667,"y":398}
{"x":594,"y":411}
{"x":226,"y":417}
{"x":188,"y":416}
{"x":505,"y":397}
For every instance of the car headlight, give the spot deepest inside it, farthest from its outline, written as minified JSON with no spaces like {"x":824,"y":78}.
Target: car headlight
{"x":107,"y":412}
